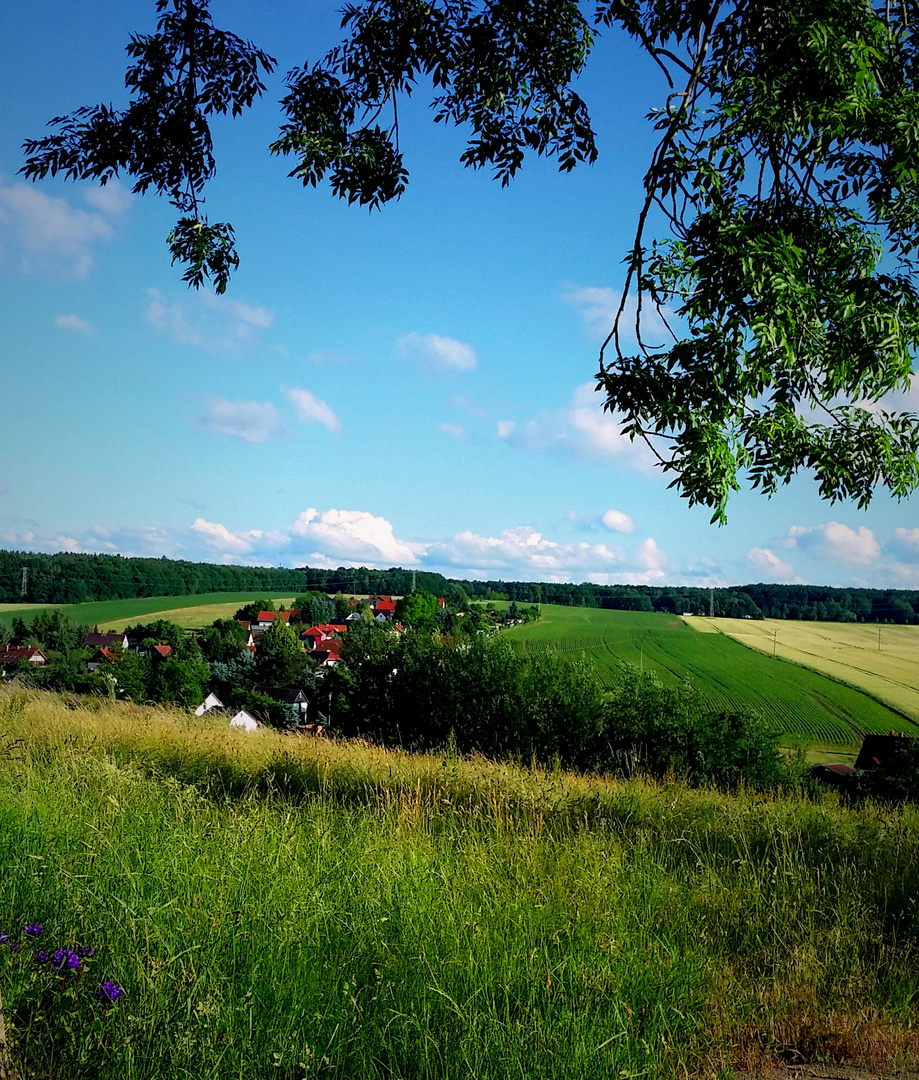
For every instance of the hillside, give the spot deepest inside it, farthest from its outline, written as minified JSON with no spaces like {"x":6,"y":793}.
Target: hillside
{"x":297,"y":909}
{"x":802,"y":703}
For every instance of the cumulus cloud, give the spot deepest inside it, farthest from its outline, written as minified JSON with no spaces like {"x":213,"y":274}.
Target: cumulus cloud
{"x":45,"y":233}
{"x":645,"y":566}
{"x":73,"y":322}
{"x":354,"y":536}
{"x":834,"y":542}
{"x":617,"y":521}
{"x":219,"y":536}
{"x":248,"y":420}
{"x":581,"y":429}
{"x":523,"y":551}
{"x":311,"y":410}
{"x":437,"y":354}
{"x":455,"y":431}
{"x":905,"y":544}
{"x":767,"y":563}
{"x":598,"y":306}
{"x":217,"y":324}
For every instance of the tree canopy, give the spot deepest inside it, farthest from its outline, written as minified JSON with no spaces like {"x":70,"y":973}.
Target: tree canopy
{"x":777,"y":237}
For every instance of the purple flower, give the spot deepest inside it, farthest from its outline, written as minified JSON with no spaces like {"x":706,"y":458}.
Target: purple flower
{"x":15,"y":946}
{"x":4,"y":940}
{"x":85,"y":951}
{"x":65,"y":960}
{"x":109,"y":991}
{"x":32,"y":930}
{"x":41,"y":957}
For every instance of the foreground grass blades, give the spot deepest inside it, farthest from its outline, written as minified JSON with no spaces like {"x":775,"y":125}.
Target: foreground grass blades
{"x":279,"y":907}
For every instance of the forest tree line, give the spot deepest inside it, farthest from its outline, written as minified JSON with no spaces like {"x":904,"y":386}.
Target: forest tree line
{"x":66,"y":578}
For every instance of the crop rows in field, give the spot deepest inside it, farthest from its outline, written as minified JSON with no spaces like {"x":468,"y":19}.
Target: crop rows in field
{"x":799,"y":702}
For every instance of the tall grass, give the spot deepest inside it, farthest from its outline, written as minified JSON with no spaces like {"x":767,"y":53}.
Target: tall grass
{"x":287,"y":908}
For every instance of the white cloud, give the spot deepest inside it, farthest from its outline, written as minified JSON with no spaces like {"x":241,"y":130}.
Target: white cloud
{"x":353,"y":535}
{"x":455,"y":431}
{"x":652,"y":560}
{"x":437,"y":354}
{"x":41,"y":232}
{"x":73,"y":322}
{"x":111,"y":199}
{"x":248,"y":420}
{"x":905,"y":544}
{"x":217,"y":324}
{"x":581,"y":429}
{"x":835,"y":542}
{"x":523,"y":551}
{"x":128,"y":540}
{"x":219,"y":536}
{"x":312,"y":410}
{"x":898,"y":401}
{"x":598,"y":306}
{"x":766,"y":562}
{"x":617,"y":521}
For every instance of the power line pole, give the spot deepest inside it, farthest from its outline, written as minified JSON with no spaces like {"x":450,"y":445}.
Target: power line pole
{"x":711,"y":603}
{"x":25,"y":580}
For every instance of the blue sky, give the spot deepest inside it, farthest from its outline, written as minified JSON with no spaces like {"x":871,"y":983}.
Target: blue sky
{"x":410,"y":387}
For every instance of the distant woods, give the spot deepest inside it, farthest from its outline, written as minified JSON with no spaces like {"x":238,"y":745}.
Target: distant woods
{"x":75,"y":578}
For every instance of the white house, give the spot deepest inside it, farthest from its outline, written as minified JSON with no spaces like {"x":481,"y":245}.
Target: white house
{"x":210,"y":702}
{"x":245,"y":720}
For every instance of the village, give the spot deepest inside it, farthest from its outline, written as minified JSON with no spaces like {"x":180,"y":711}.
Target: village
{"x":263,"y":666}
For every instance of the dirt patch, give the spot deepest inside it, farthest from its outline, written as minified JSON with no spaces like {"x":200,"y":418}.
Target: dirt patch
{"x":837,"y":1046}
{"x":826,"y":1072}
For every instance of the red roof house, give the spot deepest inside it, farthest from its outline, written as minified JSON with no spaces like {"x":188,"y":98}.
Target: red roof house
{"x":21,"y":654}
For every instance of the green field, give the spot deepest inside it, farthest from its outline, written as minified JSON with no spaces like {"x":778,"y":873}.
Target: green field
{"x":199,"y":609}
{"x":881,"y":660}
{"x":803,"y":704}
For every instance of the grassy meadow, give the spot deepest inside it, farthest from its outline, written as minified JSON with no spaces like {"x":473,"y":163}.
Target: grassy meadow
{"x":810,"y":705}
{"x":199,"y":609}
{"x":291,"y":908}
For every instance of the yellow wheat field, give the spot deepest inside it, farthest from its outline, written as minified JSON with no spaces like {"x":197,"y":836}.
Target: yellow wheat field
{"x":189,"y":617}
{"x":882,"y":660}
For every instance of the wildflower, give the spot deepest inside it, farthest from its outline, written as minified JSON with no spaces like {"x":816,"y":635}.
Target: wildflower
{"x":32,"y":930}
{"x":15,"y":947}
{"x":41,"y":957}
{"x":85,"y":951}
{"x":4,"y":940}
{"x":109,"y":991}
{"x":65,"y":960}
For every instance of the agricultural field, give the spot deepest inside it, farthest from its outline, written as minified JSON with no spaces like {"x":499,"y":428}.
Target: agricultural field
{"x":804,"y":704}
{"x":196,"y":610}
{"x":882,"y":660}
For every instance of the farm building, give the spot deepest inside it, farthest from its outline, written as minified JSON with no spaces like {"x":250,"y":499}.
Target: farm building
{"x":878,"y":750}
